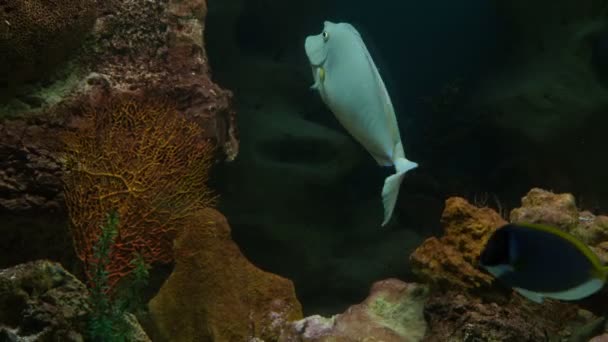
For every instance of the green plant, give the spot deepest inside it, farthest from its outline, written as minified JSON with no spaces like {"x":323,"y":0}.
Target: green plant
{"x":108,"y":308}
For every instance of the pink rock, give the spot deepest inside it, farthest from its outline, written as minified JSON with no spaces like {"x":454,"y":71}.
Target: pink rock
{"x":393,"y":312}
{"x":600,"y":338}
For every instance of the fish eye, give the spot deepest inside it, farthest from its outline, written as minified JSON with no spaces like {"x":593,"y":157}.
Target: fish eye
{"x":325,"y":35}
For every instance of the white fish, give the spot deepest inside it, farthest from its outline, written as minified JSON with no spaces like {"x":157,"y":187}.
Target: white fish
{"x":349,"y":84}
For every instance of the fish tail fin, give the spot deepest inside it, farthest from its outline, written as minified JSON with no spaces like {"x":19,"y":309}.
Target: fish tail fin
{"x":392,"y":183}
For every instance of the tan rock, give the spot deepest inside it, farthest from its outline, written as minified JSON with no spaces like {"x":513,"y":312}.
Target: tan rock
{"x":452,"y":259}
{"x":216,"y":294}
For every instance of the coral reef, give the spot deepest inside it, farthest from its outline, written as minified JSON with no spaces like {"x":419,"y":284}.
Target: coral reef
{"x":41,"y":301}
{"x":214,"y":286}
{"x":451,"y":261}
{"x":37,"y":35}
{"x":393,"y":312}
{"x":143,"y":160}
{"x":136,"y":47}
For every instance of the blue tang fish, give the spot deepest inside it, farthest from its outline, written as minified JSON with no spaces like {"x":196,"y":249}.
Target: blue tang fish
{"x":540,"y":261}
{"x":349,"y":84}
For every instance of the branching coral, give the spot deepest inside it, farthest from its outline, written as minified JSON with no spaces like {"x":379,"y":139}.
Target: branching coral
{"x":147,"y":162}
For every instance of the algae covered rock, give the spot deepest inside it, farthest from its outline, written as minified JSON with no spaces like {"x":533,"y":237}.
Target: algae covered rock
{"x":216,"y":294}
{"x":452,"y":259}
{"x":41,"y":300}
{"x":36,"y":35}
{"x":393,"y":312}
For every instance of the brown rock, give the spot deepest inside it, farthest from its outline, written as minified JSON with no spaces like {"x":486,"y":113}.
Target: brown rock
{"x":216,"y":294}
{"x":541,"y":206}
{"x":452,"y":259}
{"x":393,"y":312}
{"x":457,"y":316}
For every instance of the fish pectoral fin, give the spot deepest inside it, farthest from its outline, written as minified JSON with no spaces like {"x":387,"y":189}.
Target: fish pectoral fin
{"x":531,"y":295}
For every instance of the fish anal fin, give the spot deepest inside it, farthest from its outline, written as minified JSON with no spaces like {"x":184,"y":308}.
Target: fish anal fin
{"x":533,"y":296}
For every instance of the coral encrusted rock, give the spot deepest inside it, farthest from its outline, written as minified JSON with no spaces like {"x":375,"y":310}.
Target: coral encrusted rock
{"x":452,"y":259}
{"x":36,"y":35}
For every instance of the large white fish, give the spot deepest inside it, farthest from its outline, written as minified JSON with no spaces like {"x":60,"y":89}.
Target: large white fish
{"x":349,"y":84}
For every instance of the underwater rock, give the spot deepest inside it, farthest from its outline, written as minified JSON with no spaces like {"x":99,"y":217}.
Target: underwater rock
{"x":560,"y":210}
{"x":542,"y":206}
{"x":451,"y":261}
{"x":215,"y":294}
{"x":29,"y":171}
{"x":37,"y":35}
{"x":41,"y":301}
{"x":393,"y":312}
{"x":158,"y":50}
{"x":592,"y":229}
{"x":600,"y":338}
{"x":457,"y":316}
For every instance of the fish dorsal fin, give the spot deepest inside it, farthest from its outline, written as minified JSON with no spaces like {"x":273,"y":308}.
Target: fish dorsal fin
{"x":389,"y":110}
{"x":581,"y":246}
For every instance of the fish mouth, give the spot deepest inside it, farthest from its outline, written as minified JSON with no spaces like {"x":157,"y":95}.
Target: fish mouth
{"x":314,"y":47}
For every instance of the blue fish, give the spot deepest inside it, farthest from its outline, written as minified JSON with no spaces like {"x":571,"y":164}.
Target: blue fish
{"x":540,"y":261}
{"x":350,"y":85}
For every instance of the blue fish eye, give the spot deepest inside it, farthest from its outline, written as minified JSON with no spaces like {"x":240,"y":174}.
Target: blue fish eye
{"x":325,"y":35}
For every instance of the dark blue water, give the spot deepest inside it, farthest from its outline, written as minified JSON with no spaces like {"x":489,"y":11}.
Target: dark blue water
{"x":433,"y":56}
{"x":421,"y":45}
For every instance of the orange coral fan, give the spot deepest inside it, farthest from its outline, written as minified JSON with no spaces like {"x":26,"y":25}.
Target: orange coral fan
{"x":147,"y":162}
